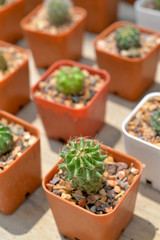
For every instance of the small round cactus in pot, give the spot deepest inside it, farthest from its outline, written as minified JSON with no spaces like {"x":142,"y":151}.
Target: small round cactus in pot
{"x":155,"y":121}
{"x":3,"y":63}
{"x":6,"y":139}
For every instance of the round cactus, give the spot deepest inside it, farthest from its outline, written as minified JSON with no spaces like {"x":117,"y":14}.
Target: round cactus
{"x":155,"y":121}
{"x":69,"y":80}
{"x":6,"y":139}
{"x":58,"y":11}
{"x":83,"y":164}
{"x":157,"y":2}
{"x":3,"y":63}
{"x":127,"y":37}
{"x":2,"y":2}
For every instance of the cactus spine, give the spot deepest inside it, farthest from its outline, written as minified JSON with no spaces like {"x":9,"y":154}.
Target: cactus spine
{"x":58,"y":11}
{"x":127,"y":37}
{"x":83,"y":164}
{"x":69,"y":80}
{"x":155,"y":121}
{"x":6,"y":139}
{"x":3,"y":63}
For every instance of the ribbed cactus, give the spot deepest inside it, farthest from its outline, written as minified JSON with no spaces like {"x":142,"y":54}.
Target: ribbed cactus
{"x":69,"y":80}
{"x":127,"y":37}
{"x":2,"y":2}
{"x":157,"y":2}
{"x":3,"y":63}
{"x":58,"y":11}
{"x":83,"y":164}
{"x":6,"y":139}
{"x":155,"y":121}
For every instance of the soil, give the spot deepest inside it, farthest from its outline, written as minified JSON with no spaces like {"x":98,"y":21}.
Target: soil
{"x":41,"y":23}
{"x":14,"y":59}
{"x":117,"y":178}
{"x":21,"y":141}
{"x":139,"y":125}
{"x":150,"y":4}
{"x":147,"y":42}
{"x":92,"y":84}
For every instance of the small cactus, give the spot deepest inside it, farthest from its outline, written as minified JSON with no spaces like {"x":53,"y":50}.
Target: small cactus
{"x":155,"y":121}
{"x":157,"y":2}
{"x":3,"y":63}
{"x":58,"y":11}
{"x":6,"y":139}
{"x":83,"y":164}
{"x":69,"y":80}
{"x":127,"y":37}
{"x":2,"y":2}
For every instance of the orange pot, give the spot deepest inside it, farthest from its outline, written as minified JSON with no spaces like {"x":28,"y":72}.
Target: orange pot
{"x":23,"y":176}
{"x":10,"y":17}
{"x":131,"y":77}
{"x":14,"y":88}
{"x":75,"y":222}
{"x":130,"y":1}
{"x":101,"y":13}
{"x":48,"y":48}
{"x":61,"y":121}
{"x":31,"y":4}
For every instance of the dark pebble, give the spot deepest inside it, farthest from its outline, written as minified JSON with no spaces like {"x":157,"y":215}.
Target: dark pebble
{"x":106,"y":188}
{"x":55,"y":180}
{"x":57,"y":192}
{"x":93,"y":209}
{"x":75,"y":99}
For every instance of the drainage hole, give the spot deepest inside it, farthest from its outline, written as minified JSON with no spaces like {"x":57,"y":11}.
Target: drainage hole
{"x":148,"y":182}
{"x":27,"y":195}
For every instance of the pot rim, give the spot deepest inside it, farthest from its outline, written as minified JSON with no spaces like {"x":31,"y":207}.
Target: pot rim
{"x":29,"y":127}
{"x":127,"y":119}
{"x":112,"y":28}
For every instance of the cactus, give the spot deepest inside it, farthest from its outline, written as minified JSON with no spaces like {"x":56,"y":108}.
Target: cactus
{"x":83,"y":164}
{"x":155,"y":121}
{"x":69,"y":80}
{"x":3,"y":63}
{"x":58,"y":11}
{"x":127,"y":37}
{"x":2,"y":2}
{"x":157,"y":2}
{"x":6,"y":139}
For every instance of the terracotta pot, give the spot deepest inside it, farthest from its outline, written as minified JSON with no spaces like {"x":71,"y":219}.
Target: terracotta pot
{"x":31,"y":4}
{"x":131,"y":77}
{"x":48,"y":48}
{"x":14,"y":88}
{"x":76,"y":222}
{"x":101,"y":13}
{"x":130,"y":1}
{"x":61,"y":121}
{"x":23,"y":176}
{"x":10,"y":17}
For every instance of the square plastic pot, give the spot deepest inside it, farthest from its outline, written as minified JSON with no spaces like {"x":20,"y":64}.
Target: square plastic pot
{"x":74,"y":221}
{"x":146,"y":17}
{"x":103,"y":10}
{"x":10,"y":17}
{"x":23,"y":176}
{"x":146,"y":152}
{"x":60,"y":121}
{"x":48,"y":48}
{"x":14,"y":88}
{"x":131,"y":77}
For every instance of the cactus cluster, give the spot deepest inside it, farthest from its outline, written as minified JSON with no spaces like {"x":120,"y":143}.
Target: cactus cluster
{"x":58,"y":11}
{"x":127,"y":37}
{"x":2,"y":2}
{"x":157,"y":2}
{"x":69,"y":80}
{"x":6,"y":139}
{"x":155,"y":121}
{"x":3,"y":63}
{"x":83,"y":164}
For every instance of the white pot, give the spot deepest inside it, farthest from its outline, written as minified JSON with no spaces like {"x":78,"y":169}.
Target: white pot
{"x":146,"y":152}
{"x":146,"y":17}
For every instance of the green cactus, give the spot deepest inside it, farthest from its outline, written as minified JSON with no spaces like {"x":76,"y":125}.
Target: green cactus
{"x":3,"y":63}
{"x":58,"y":11}
{"x":6,"y":139}
{"x":155,"y":121}
{"x":127,"y":37}
{"x":157,"y":2}
{"x":83,"y":164}
{"x":69,"y":80}
{"x":2,"y":2}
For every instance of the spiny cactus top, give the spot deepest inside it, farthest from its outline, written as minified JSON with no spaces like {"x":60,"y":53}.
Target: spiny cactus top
{"x":58,"y":11}
{"x":83,"y":164}
{"x":127,"y":37}
{"x":6,"y":139}
{"x":157,"y":4}
{"x":2,"y":2}
{"x":155,"y":121}
{"x":69,"y":80}
{"x":3,"y":63}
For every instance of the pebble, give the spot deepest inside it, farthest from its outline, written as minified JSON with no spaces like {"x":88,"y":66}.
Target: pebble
{"x":117,"y":189}
{"x":82,"y":202}
{"x":121,"y":175}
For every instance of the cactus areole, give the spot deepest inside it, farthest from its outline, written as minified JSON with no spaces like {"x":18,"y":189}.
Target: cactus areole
{"x":83,"y":164}
{"x":6,"y":139}
{"x":127,"y":37}
{"x":69,"y":80}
